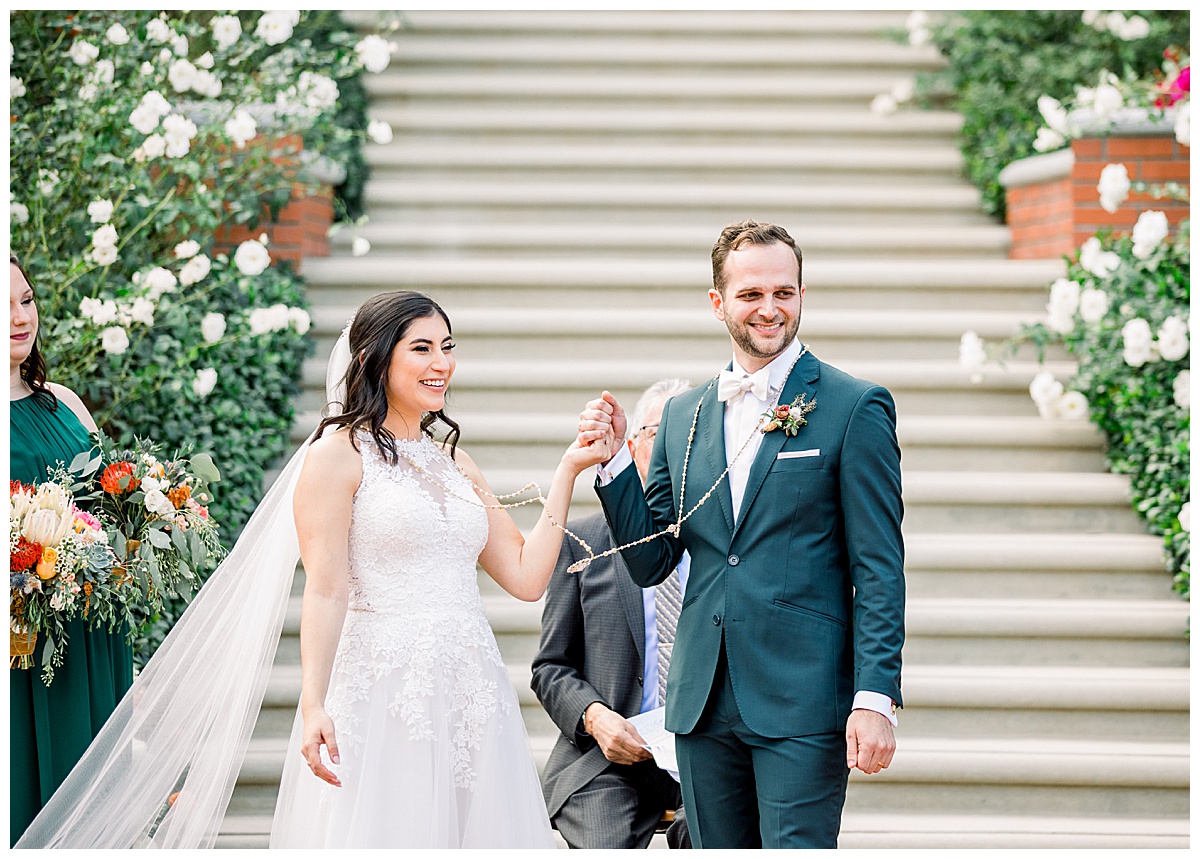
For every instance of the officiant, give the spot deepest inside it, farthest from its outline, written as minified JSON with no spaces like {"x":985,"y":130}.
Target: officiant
{"x":605,"y":647}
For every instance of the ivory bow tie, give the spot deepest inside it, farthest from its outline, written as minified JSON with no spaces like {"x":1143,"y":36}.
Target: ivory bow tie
{"x":732,"y":384}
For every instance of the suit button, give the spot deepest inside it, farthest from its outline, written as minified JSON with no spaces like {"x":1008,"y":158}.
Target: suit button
{"x":716,"y":620}
{"x":734,"y":560}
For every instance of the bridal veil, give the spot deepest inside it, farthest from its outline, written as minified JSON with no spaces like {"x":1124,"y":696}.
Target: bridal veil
{"x":185,"y":724}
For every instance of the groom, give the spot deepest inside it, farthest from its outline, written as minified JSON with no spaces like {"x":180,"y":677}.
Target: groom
{"x":786,"y":667}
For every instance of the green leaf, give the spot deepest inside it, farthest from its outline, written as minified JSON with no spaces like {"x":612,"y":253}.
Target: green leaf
{"x":180,"y":541}
{"x":205,"y":469}
{"x":158,"y":539}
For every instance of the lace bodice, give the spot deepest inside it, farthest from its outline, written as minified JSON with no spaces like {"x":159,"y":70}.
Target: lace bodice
{"x":416,"y":531}
{"x":413,"y":545}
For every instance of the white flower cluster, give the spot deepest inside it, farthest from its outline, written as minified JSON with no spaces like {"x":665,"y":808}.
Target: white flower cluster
{"x":155,"y":500}
{"x":1113,"y":187}
{"x":104,"y":245}
{"x":374,"y":52}
{"x":1148,"y":233}
{"x":1053,"y":135}
{"x":1053,"y":401}
{"x":1182,"y":390}
{"x":185,"y":76}
{"x":241,"y":128}
{"x":1183,"y":123}
{"x":886,"y":103}
{"x":1127,"y":29}
{"x":1096,"y":261}
{"x":972,"y":356}
{"x":251,"y":258}
{"x":917,"y":25}
{"x":275,"y":28}
{"x":1141,"y":347}
{"x":318,"y":92}
{"x":264,"y":320}
{"x":1104,"y":100}
{"x":226,"y":30}
{"x":379,"y":131}
{"x":204,"y":382}
{"x":212,"y":327}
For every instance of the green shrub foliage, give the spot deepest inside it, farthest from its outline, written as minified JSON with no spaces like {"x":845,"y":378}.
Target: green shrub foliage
{"x":998,"y":63}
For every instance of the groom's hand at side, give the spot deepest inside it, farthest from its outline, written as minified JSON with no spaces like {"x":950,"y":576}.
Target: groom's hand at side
{"x":870,"y":742}
{"x":616,"y":737}
{"x":603,"y":420}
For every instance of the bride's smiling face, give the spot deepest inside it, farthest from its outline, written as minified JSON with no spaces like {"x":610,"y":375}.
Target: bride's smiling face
{"x":421,"y":366}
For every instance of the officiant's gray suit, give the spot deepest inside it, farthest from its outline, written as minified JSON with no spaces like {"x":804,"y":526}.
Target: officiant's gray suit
{"x":592,"y":649}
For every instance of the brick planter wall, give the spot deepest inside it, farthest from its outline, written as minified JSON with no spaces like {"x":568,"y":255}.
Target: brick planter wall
{"x":302,"y":227}
{"x":1053,"y":204}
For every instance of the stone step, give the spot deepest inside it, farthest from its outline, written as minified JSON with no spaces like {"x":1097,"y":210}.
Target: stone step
{"x":978,"y":634}
{"x":1057,"y":776}
{"x":1123,"y":778}
{"x":602,"y":23}
{"x":1002,"y":503}
{"x":693,"y":333}
{"x":1015,"y":285}
{"x":680,"y":158}
{"x":629,"y":87}
{"x":748,"y":124}
{"x":919,"y":387}
{"x":908,"y":831}
{"x":871,"y":830}
{"x":389,"y":235}
{"x":547,"y":52}
{"x":617,"y":200}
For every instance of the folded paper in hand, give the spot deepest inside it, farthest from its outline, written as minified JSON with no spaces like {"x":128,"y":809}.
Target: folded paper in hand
{"x":659,"y":741}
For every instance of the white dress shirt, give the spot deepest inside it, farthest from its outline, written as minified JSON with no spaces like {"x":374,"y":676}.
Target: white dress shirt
{"x":741,"y":417}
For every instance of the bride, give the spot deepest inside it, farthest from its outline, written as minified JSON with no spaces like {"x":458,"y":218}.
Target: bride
{"x":408,"y":732}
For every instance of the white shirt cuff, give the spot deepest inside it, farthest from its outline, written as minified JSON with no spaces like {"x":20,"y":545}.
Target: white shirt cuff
{"x":876,"y":701}
{"x":607,"y":472}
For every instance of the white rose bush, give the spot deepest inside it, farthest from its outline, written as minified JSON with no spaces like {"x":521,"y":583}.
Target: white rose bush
{"x":135,"y":137}
{"x":1122,"y":312}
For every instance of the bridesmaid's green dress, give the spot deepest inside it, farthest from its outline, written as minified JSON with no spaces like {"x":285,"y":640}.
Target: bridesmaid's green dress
{"x":50,"y":727}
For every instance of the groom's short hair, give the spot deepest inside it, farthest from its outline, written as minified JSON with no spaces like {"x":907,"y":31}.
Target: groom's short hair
{"x":736,"y":236}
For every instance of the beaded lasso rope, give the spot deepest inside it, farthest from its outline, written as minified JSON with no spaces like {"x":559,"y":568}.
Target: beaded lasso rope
{"x":672,"y":529}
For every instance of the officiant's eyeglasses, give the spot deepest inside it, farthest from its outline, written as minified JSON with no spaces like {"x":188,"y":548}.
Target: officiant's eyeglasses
{"x":649,"y":431}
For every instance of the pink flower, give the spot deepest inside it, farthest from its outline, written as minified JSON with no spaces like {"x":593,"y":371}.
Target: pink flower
{"x":87,"y":519}
{"x":1181,"y":87}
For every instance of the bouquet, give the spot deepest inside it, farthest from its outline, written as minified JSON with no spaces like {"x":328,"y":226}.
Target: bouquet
{"x":60,"y":565}
{"x":154,"y":512}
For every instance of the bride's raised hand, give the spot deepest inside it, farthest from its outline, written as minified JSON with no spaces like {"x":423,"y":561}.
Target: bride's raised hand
{"x":318,"y":731}
{"x":580,"y":455}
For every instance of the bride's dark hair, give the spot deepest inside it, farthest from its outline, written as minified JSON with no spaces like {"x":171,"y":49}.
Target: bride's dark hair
{"x":380,"y":323}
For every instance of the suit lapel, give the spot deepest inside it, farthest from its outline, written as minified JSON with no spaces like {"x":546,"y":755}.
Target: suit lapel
{"x":711,"y":426}
{"x":802,"y":380}
{"x":631,"y":602}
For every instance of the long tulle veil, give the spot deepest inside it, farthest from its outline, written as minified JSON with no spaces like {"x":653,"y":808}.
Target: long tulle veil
{"x":184,"y":726}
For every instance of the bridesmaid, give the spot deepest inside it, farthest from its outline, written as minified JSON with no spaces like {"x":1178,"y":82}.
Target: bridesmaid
{"x":51,"y":726}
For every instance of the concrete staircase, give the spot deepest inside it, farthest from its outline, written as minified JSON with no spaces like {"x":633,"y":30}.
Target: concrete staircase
{"x":556,"y":181}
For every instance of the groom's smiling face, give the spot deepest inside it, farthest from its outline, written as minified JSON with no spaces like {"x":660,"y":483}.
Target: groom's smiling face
{"x":761,"y":302}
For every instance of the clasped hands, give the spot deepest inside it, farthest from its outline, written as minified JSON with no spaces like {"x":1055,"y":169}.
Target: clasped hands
{"x":603,"y":426}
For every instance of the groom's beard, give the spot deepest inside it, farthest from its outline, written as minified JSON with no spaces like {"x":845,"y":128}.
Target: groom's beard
{"x":762,"y":347}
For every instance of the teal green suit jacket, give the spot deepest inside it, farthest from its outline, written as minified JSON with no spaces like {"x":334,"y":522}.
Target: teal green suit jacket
{"x":808,"y":587}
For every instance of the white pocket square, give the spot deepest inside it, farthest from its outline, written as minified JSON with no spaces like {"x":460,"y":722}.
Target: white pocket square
{"x":798,"y":454}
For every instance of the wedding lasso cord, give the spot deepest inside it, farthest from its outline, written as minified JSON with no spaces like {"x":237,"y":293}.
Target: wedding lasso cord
{"x":672,"y":529}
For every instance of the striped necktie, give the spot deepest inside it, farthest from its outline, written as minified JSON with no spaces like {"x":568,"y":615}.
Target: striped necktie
{"x":668,"y":600}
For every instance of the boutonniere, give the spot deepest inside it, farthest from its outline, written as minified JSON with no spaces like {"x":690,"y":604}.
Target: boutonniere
{"x":788,"y":418}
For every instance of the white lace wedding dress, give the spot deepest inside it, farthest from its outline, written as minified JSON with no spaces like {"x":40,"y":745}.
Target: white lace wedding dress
{"x":432,"y":746}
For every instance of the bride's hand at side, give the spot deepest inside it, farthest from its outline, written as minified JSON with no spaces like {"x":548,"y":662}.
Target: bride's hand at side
{"x":319,"y":731}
